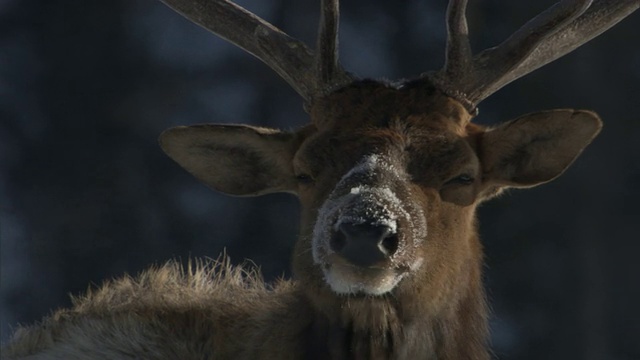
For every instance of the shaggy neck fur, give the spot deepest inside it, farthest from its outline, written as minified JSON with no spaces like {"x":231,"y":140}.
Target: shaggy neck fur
{"x":215,"y":311}
{"x":392,"y":327}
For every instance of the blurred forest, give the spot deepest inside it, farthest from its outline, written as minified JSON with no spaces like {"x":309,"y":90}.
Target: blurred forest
{"x":86,"y":194}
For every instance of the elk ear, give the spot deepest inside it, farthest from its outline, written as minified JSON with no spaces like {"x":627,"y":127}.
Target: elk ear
{"x":537,"y":147}
{"x":235,"y":159}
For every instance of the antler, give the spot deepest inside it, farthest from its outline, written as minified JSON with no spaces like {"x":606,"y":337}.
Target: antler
{"x":552,"y":34}
{"x":309,"y":74}
{"x":470,"y":79}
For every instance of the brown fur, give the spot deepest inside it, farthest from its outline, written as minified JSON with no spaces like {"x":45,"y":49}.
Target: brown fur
{"x":211,"y":310}
{"x":435,"y":311}
{"x":167,"y":312}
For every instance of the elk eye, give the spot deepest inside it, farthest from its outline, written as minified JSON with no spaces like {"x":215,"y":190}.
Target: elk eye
{"x":304,"y":178}
{"x":463,"y":179}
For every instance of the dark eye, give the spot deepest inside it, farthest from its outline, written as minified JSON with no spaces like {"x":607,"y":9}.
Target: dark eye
{"x":304,"y":178}
{"x":463,"y":179}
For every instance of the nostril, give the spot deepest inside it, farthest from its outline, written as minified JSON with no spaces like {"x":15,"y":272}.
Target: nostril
{"x":364,"y":244}
{"x":338,"y":241}
{"x":389,"y":245}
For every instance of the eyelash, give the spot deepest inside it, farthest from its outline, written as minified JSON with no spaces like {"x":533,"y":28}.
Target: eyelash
{"x":463,"y":179}
{"x":304,"y":178}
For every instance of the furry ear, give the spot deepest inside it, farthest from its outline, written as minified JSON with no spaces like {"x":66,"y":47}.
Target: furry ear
{"x":537,"y":147}
{"x":235,"y":159}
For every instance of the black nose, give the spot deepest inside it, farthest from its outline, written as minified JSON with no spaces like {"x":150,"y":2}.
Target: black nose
{"x":364,"y":244}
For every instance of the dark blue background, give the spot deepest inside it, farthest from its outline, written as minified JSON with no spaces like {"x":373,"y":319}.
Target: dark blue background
{"x":86,"y":194}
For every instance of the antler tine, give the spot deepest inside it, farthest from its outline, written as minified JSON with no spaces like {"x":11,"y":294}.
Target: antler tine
{"x":458,"y":66}
{"x":458,"y":52}
{"x":600,"y":16}
{"x":289,"y":57}
{"x":500,"y":61}
{"x":552,"y":34}
{"x":327,"y":47}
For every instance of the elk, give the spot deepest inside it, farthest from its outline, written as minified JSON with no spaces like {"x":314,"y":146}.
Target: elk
{"x":388,"y":264}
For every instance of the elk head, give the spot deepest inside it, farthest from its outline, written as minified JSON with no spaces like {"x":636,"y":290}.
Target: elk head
{"x":389,"y":174}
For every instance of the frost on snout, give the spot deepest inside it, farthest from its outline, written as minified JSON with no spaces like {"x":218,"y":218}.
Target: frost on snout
{"x":366,"y":233}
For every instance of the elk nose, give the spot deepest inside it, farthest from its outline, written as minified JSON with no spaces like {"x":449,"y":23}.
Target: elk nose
{"x":364,"y":244}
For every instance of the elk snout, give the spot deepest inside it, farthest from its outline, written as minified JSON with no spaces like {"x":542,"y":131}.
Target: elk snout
{"x":364,"y":244}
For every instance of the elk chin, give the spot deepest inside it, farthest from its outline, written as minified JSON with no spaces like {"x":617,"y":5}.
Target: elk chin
{"x":345,"y":278}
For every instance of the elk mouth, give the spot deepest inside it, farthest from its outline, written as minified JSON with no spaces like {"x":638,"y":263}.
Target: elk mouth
{"x":345,"y":278}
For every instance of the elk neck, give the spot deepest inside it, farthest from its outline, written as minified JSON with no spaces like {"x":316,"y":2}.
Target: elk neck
{"x":410,"y":323}
{"x":438,"y":309}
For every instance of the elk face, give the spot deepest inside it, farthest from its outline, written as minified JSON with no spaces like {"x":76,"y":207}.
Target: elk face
{"x":373,"y":179}
{"x":388,"y":179}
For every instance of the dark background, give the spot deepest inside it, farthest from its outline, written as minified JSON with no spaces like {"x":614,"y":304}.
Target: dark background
{"x":86,"y":194}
